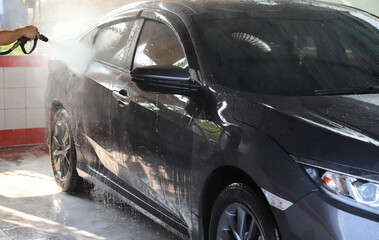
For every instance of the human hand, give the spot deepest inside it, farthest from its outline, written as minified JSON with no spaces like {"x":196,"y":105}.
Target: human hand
{"x":30,"y":32}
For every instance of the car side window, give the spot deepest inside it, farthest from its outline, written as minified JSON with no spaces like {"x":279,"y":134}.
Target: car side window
{"x":158,"y":45}
{"x":110,"y":43}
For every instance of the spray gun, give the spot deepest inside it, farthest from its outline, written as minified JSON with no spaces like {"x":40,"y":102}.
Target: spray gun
{"x":22,"y":41}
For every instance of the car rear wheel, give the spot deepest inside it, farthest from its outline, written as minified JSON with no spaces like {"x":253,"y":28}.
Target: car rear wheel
{"x":241,"y":214}
{"x":63,"y":155}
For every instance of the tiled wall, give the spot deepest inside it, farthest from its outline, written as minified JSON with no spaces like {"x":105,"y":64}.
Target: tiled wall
{"x":21,"y":97}
{"x":22,"y":91}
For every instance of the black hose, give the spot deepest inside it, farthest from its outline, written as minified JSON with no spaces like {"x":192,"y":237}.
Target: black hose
{"x":11,"y":49}
{"x":22,"y":41}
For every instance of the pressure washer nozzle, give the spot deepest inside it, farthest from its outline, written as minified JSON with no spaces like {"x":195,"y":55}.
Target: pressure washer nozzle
{"x":43,"y":38}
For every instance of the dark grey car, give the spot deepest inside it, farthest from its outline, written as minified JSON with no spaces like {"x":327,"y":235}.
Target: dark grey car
{"x":227,"y":120}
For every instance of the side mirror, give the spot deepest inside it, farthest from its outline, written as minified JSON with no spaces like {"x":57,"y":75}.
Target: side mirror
{"x":166,"y":79}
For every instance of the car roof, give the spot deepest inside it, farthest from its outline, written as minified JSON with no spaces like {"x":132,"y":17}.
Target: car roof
{"x":301,"y":9}
{"x":193,"y":7}
{"x":209,"y":7}
{"x":281,"y":9}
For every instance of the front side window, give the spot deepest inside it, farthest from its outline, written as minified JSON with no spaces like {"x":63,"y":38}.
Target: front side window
{"x":158,"y":45}
{"x":291,"y":56}
{"x":110,"y":43}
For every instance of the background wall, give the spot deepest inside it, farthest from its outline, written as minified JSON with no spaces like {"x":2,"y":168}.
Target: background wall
{"x":22,"y":87}
{"x":23,"y":78}
{"x":371,"y":6}
{"x":13,"y":14}
{"x":60,"y":19}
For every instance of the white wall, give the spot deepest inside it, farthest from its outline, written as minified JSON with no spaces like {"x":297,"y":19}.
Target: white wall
{"x":22,"y":90}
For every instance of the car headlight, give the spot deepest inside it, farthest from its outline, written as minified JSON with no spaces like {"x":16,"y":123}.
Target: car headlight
{"x":360,"y":192}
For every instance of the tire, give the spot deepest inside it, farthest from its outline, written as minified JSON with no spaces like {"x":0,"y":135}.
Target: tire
{"x":240,"y":211}
{"x":63,"y":154}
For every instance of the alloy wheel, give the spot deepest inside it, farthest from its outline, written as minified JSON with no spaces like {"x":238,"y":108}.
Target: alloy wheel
{"x":61,"y":146}
{"x":238,"y":222}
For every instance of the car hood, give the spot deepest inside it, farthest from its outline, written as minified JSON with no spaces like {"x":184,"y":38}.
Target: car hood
{"x":341,"y":130}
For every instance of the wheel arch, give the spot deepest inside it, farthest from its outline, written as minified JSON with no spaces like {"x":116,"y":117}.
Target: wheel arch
{"x":219,"y":179}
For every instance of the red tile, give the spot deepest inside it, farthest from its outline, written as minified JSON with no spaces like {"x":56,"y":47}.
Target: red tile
{"x":22,"y":136}
{"x":23,"y":61}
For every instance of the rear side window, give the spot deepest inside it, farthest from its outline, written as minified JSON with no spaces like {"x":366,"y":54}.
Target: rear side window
{"x":110,"y":43}
{"x":158,"y":45}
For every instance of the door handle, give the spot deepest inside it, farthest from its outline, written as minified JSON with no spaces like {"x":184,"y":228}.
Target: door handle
{"x":122,"y":97}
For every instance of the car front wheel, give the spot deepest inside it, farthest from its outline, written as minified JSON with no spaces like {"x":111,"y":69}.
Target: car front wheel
{"x":63,"y":155}
{"x":240,"y":213}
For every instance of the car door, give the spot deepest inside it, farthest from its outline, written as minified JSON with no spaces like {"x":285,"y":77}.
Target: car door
{"x":100,"y":79}
{"x":156,"y":128}
{"x":172,"y":143}
{"x":153,"y":130}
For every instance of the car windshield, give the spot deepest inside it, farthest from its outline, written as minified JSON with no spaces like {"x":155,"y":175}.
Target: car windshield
{"x":292,"y":55}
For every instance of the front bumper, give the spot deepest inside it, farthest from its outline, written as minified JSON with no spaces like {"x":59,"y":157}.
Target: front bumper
{"x":317,"y":217}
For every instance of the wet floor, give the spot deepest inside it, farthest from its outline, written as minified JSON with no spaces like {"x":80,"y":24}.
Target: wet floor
{"x":33,"y":207}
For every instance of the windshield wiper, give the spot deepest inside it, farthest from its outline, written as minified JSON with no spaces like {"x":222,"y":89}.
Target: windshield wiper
{"x":343,"y":91}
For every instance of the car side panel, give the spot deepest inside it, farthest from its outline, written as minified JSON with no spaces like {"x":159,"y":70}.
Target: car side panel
{"x":92,"y":115}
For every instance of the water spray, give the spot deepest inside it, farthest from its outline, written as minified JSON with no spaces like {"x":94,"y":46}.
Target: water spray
{"x":22,"y":41}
